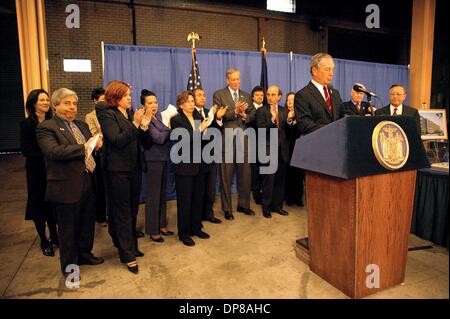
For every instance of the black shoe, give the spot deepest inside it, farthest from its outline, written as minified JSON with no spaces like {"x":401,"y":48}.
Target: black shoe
{"x":201,"y":234}
{"x":139,"y":253}
{"x":229,"y":215}
{"x":188,"y":241}
{"x":213,"y":220}
{"x":47,"y":250}
{"x":280,"y":211}
{"x":167,"y":233}
{"x":91,"y":260}
{"x":139,"y":234}
{"x":133,"y":267}
{"x":158,"y":240}
{"x":246,"y":211}
{"x":266,"y":213}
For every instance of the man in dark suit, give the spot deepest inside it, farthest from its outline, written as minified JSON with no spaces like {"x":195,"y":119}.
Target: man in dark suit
{"x":211,"y":173}
{"x":258,"y":101}
{"x":64,"y":142}
{"x":397,"y":95}
{"x":318,"y":103}
{"x":239,"y":114}
{"x":274,"y":117}
{"x":356,"y":105}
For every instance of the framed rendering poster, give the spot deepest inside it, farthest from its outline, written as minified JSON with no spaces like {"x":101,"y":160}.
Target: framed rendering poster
{"x":433,"y":124}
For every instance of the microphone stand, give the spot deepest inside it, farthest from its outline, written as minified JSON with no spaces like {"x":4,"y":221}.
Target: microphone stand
{"x":369,"y":100}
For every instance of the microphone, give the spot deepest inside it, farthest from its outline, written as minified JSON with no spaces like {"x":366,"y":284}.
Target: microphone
{"x":359,"y":88}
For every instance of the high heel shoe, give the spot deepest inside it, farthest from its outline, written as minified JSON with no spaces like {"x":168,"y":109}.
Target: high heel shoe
{"x":139,"y":253}
{"x":47,"y":249}
{"x":54,"y":242}
{"x":167,"y":233}
{"x":158,"y":240}
{"x":133,"y":267}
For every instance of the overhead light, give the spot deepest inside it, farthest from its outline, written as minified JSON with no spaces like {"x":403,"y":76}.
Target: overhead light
{"x":77,"y":65}
{"x":281,"y":5}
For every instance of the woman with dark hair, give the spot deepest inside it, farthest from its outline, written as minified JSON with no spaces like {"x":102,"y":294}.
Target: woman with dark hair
{"x":157,"y":152}
{"x":121,"y":132}
{"x":38,"y":210}
{"x":189,"y":176}
{"x":294,"y":176}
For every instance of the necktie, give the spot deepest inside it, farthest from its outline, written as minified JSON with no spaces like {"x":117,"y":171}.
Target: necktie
{"x":88,"y":160}
{"x":235,"y":97}
{"x":395,"y":111}
{"x":327,"y":97}
{"x":358,"y":106}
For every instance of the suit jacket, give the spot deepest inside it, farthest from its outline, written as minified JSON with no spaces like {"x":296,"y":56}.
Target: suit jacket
{"x":64,"y":159}
{"x":311,"y":109}
{"x":223,"y":98}
{"x":186,"y":169}
{"x":348,"y":108}
{"x":121,"y":139}
{"x":156,"y":141}
{"x":92,"y":121}
{"x":407,"y":111}
{"x":264,"y":120}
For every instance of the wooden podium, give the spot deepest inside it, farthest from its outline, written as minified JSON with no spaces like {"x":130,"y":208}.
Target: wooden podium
{"x":359,"y":213}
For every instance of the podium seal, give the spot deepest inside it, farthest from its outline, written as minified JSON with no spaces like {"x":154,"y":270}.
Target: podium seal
{"x":390,"y":145}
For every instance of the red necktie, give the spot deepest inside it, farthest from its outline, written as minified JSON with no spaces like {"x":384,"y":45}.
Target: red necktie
{"x":327,"y":97}
{"x":395,"y":111}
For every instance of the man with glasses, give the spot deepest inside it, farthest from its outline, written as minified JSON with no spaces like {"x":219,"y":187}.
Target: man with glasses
{"x":397,"y":95}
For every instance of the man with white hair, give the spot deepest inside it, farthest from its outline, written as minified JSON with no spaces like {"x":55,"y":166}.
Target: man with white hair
{"x":318,"y":103}
{"x":356,"y":105}
{"x":65,"y":141}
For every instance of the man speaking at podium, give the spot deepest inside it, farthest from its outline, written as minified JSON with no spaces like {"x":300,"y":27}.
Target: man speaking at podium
{"x":318,"y":103}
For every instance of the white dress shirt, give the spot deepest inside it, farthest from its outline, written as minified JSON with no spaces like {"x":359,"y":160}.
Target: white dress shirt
{"x":399,"y":109}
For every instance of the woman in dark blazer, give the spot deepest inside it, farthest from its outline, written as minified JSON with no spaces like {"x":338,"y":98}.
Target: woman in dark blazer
{"x":295,"y":176}
{"x":121,"y":132}
{"x":156,"y":143}
{"x":189,"y":178}
{"x":38,"y":210}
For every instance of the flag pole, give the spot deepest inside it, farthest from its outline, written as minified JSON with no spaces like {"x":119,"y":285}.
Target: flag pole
{"x":192,"y":37}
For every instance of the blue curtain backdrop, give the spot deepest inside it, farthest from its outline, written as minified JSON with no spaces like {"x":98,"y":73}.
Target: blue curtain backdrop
{"x":165,"y":71}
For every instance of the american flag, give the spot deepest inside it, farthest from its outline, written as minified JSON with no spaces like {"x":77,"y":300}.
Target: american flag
{"x":194,"y":81}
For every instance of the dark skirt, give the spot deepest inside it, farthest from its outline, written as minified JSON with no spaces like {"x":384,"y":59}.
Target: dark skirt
{"x":37,"y":208}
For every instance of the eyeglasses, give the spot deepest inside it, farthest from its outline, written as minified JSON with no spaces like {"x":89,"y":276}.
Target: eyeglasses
{"x":396,"y":94}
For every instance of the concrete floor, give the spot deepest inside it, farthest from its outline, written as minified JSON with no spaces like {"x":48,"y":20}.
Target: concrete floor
{"x":250,"y":257}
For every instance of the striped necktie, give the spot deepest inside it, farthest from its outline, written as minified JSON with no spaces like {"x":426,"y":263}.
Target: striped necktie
{"x":88,"y":160}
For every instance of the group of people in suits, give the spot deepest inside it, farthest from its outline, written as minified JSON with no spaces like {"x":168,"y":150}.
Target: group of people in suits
{"x":79,"y":172}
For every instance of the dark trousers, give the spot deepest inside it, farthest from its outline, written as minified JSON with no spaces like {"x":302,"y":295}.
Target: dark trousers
{"x":189,"y":203}
{"x":155,"y":201}
{"x":273,"y":188}
{"x":294,"y":184}
{"x":256,"y":182}
{"x":123,"y":195}
{"x":210,"y":192}
{"x":76,"y":225}
{"x":100,"y":194}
